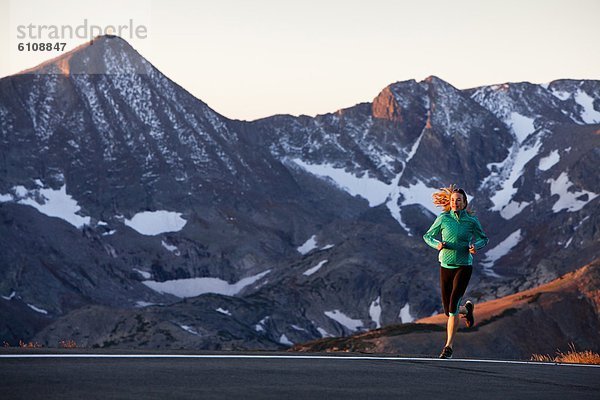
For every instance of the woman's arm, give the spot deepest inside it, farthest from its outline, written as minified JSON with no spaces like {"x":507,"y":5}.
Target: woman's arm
{"x":430,"y":236}
{"x":479,"y":236}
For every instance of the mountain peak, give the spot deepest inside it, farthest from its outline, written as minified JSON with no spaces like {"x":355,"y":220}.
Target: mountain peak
{"x":432,"y":79}
{"x":393,"y":101}
{"x":106,"y":54}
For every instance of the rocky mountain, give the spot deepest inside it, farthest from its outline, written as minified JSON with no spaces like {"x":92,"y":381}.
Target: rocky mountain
{"x":129,"y":208}
{"x":551,"y":317}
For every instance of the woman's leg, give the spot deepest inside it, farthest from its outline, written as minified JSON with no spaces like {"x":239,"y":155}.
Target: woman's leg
{"x":451,"y":330}
{"x":446,"y":284}
{"x":459,"y":286}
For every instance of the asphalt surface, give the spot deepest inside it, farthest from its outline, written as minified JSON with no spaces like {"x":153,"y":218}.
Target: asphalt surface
{"x":150,"y":376}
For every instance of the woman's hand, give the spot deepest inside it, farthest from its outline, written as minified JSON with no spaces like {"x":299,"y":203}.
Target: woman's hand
{"x":472,"y":249}
{"x":441,"y":245}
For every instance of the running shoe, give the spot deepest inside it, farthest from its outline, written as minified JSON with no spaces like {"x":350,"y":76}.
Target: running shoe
{"x":469,"y":318}
{"x":446,"y":353}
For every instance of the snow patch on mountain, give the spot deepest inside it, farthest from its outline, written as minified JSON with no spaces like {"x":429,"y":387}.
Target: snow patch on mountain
{"x":569,"y":197}
{"x":311,"y":244}
{"x":37,"y":309}
{"x":413,"y":194}
{"x":375,"y":312}
{"x":260,"y":326}
{"x":323,"y":332}
{"x":373,"y":190}
{"x":314,"y":269}
{"x":419,"y":193}
{"x":405,"y":316}
{"x":513,"y":208}
{"x":189,"y":329}
{"x":344,"y":320}
{"x":152,"y":223}
{"x":370,"y":189}
{"x":10,"y":296}
{"x":521,"y":125}
{"x":589,"y":114}
{"x":196,"y":286}
{"x":415,"y":146}
{"x":50,"y":202}
{"x":308,"y":246}
{"x":144,"y":274}
{"x":562,"y":95}
{"x":299,"y":328}
{"x":505,"y":174}
{"x":142,"y":304}
{"x":586,"y":113}
{"x":283,"y":339}
{"x":549,"y":161}
{"x":499,"y":251}
{"x":171,"y":248}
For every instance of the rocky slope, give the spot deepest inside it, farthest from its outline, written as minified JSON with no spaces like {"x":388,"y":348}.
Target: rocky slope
{"x":536,"y":321}
{"x":121,"y":191}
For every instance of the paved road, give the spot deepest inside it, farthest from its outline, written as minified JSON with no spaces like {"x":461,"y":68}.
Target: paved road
{"x":182,"y":377}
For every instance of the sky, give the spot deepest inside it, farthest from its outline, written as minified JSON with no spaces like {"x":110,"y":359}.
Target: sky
{"x":252,"y":59}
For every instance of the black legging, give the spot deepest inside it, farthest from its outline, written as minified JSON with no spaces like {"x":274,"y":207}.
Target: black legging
{"x":454,"y":283}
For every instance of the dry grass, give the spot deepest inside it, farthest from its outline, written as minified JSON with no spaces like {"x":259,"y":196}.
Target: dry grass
{"x":67,"y":344}
{"x":63,"y":344}
{"x":29,"y":345}
{"x":572,"y":357}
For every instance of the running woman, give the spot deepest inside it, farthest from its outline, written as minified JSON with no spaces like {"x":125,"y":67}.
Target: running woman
{"x":461,"y":237}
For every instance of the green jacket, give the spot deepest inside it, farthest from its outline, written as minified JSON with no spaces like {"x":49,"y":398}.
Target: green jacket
{"x":457,"y":231}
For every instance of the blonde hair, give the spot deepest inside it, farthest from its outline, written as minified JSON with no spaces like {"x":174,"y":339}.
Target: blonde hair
{"x":441,"y":198}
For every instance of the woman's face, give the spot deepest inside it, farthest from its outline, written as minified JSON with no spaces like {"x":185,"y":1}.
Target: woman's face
{"x":457,"y":202}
